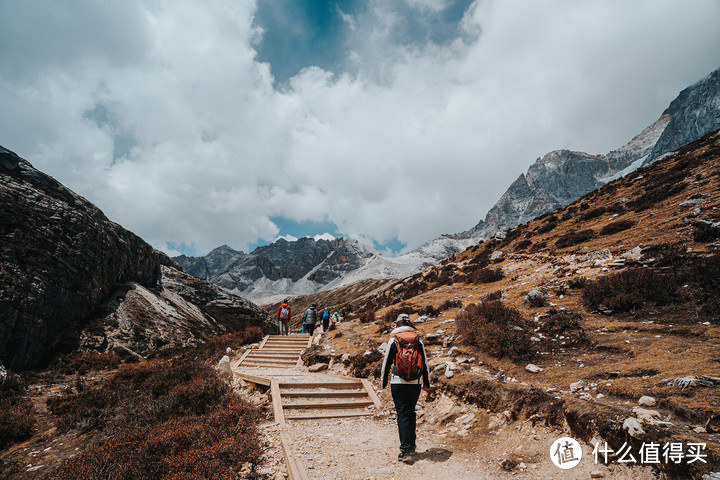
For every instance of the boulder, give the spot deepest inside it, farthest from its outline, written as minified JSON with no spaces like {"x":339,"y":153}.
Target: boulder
{"x":421,"y":319}
{"x":647,"y":401}
{"x":532,"y":368}
{"x":633,"y":427}
{"x":224,"y":370}
{"x":318,"y":367}
{"x":536,"y":298}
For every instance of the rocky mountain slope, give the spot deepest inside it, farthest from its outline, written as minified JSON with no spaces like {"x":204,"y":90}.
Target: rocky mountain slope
{"x":61,"y":260}
{"x":561,"y":177}
{"x":306,"y":266}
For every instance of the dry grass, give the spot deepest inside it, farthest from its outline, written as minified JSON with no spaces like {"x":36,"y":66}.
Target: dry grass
{"x":17,"y":416}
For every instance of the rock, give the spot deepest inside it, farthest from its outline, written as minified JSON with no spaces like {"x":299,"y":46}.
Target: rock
{"x":345,"y":358}
{"x":448,"y":372}
{"x":453,"y":352}
{"x":534,"y":339}
{"x":470,"y":417}
{"x":421,"y":319}
{"x":579,"y":385}
{"x":646,"y":401}
{"x":646,"y":416}
{"x":699,"y":430}
{"x":432,"y":339}
{"x":228,"y":351}
{"x":496,"y":254}
{"x":496,"y":422}
{"x":224,"y":370}
{"x":318,"y":367}
{"x":439,"y":367}
{"x":634,"y":254}
{"x":632,"y":425}
{"x":536,"y":298}
{"x":693,"y":202}
{"x":531,"y":367}
{"x":597,"y":474}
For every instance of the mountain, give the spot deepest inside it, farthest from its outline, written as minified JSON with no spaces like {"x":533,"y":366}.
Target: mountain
{"x":307,"y":266}
{"x":561,"y":177}
{"x":65,"y":266}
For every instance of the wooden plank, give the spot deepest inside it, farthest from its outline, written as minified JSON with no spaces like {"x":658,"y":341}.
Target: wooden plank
{"x":279,"y":356}
{"x":252,"y":378}
{"x":277,"y":402}
{"x":247,"y":352}
{"x":309,"y":342}
{"x":371,"y":393}
{"x":320,"y":406}
{"x":296,"y":470}
{"x":312,"y":416}
{"x":338,"y":393}
{"x":263,"y":341}
{"x":321,"y":384}
{"x":299,"y":362}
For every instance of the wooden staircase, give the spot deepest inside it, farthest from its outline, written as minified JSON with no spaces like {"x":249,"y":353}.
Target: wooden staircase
{"x":277,"y":351}
{"x":327,"y":399}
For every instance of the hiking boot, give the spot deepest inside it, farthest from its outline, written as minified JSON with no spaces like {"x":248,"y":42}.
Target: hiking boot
{"x":405,"y":457}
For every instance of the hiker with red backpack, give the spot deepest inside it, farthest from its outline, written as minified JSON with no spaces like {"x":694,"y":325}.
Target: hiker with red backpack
{"x":283,"y":317}
{"x":406,"y":364}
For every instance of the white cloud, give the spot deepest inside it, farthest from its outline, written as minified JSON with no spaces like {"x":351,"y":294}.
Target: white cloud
{"x":324,"y":236}
{"x":417,"y":142}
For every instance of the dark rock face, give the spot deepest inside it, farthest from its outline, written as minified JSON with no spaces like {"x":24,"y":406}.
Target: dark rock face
{"x":305,"y":260}
{"x":184,"y":311}
{"x":694,"y":113}
{"x":60,"y":257}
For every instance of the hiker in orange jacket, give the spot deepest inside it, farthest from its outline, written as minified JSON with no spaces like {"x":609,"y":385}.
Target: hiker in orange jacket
{"x":283,"y":317}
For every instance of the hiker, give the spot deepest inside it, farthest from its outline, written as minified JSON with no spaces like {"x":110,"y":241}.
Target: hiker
{"x":406,"y":364}
{"x":283,"y":317}
{"x":326,"y":320}
{"x":309,"y":318}
{"x":335,"y":317}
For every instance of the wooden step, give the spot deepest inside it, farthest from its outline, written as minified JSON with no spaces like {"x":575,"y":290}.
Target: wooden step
{"x":312,"y":416}
{"x":267,"y":364}
{"x":269,"y":360}
{"x":339,"y":393}
{"x":321,"y":406}
{"x":286,"y":356}
{"x":321,"y":384}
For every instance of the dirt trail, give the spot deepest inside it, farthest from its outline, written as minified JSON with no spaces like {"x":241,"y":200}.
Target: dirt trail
{"x":367,"y":447}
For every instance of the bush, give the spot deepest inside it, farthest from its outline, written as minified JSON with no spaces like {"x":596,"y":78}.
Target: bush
{"x":617,"y":226}
{"x":486,"y":275}
{"x":491,"y":326}
{"x":449,"y":304}
{"x":364,"y":366}
{"x":573,"y":238}
{"x":577,"y":282}
{"x":594,"y":213}
{"x":567,"y":324}
{"x":496,"y":295}
{"x":93,"y":361}
{"x":164,"y":419}
{"x":367,"y":315}
{"x":17,"y":416}
{"x":705,"y":233}
{"x":629,"y":289}
{"x":546,"y":227}
{"x":523,"y":244}
{"x":220,"y":344}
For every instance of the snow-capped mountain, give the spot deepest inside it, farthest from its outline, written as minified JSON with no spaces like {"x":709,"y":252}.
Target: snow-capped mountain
{"x":561,"y":177}
{"x":308,"y":266}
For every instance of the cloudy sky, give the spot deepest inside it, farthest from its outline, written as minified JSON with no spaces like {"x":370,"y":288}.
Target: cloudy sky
{"x":197,"y":124}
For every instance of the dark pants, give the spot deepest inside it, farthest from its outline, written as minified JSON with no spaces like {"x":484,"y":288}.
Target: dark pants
{"x":309,"y":328}
{"x":284,"y":327}
{"x":326,"y":324}
{"x":405,"y":398}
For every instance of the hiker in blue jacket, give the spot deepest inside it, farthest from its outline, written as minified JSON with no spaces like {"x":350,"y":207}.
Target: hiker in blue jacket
{"x":406,"y":364}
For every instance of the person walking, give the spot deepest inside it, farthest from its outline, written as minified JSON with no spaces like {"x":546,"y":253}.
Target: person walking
{"x":326,"y":320}
{"x":309,"y":319}
{"x":406,"y":364}
{"x":283,"y":318}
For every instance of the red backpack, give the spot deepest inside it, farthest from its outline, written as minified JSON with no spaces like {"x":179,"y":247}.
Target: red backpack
{"x":408,"y":359}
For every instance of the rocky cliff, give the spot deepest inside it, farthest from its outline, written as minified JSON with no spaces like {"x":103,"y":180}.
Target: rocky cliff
{"x":61,"y":260}
{"x":561,"y":177}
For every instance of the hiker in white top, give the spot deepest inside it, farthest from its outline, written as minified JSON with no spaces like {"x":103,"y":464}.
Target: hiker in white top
{"x":406,"y":364}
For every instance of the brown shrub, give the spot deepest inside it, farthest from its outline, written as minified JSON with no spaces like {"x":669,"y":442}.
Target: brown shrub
{"x":567,"y":324}
{"x":367,"y":315}
{"x":577,"y":282}
{"x":219,"y":344}
{"x":449,"y":304}
{"x":93,"y":361}
{"x":594,"y":213}
{"x":364,"y":366}
{"x":491,"y":326}
{"x":17,"y":416}
{"x":486,"y":275}
{"x":546,"y":227}
{"x":496,"y":295}
{"x":573,"y":238}
{"x":523,"y":244}
{"x":705,"y":233}
{"x":629,"y":289}
{"x":617,"y":226}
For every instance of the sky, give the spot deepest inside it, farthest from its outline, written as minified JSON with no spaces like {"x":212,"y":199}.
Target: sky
{"x":198,"y":124}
